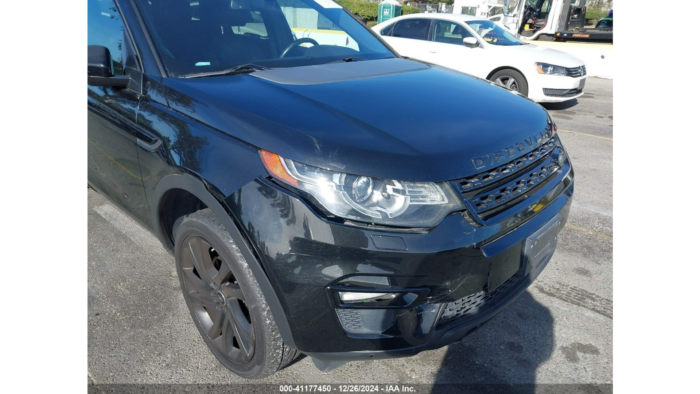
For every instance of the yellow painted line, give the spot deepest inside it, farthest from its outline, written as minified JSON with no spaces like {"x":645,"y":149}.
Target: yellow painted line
{"x":584,"y":134}
{"x":590,"y":232}
{"x":319,"y":31}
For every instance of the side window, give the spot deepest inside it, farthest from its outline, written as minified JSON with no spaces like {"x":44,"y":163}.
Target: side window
{"x":469,"y":11}
{"x":105,"y":28}
{"x":545,"y":5}
{"x":495,"y":11}
{"x":385,"y":31}
{"x":411,"y":28}
{"x":449,"y":33}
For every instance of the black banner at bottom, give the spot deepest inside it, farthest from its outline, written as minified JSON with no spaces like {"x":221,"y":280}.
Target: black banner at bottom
{"x":351,"y":388}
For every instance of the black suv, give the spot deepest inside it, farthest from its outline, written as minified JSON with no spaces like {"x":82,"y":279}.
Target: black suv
{"x":320,"y":194}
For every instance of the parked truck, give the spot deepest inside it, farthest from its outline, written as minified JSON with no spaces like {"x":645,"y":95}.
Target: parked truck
{"x":479,"y":8}
{"x":549,"y":20}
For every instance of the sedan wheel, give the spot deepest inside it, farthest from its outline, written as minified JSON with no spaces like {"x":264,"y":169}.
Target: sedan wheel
{"x":507,"y":82}
{"x":511,"y":80}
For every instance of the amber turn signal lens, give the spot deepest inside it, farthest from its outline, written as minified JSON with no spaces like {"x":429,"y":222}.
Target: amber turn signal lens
{"x":274,"y":165}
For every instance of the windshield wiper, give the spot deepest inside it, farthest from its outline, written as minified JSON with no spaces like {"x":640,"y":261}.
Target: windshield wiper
{"x":240,"y":69}
{"x":348,"y":60}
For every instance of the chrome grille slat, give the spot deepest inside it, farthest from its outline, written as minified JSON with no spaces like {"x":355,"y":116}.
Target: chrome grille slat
{"x":576,"y":72}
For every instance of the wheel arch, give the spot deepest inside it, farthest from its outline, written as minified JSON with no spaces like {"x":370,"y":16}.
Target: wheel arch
{"x":190,"y":188}
{"x":497,"y":69}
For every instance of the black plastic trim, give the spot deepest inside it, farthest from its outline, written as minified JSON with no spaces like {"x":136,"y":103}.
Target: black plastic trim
{"x":116,"y":81}
{"x":196,"y":186}
{"x":146,"y":34}
{"x":130,"y":35}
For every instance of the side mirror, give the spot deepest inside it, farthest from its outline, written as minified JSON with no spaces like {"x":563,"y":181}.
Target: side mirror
{"x":470,"y":42}
{"x":100,"y":68}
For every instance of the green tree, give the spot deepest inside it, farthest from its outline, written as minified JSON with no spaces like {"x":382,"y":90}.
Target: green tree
{"x":407,"y":9}
{"x":366,"y":10}
{"x":369,"y":11}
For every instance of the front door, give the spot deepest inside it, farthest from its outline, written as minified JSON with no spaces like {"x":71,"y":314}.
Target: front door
{"x":113,"y":167}
{"x":448,"y":49}
{"x":513,"y":20}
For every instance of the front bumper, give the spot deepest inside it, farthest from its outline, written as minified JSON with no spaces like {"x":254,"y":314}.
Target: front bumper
{"x":306,"y":257}
{"x":442,"y":335}
{"x":556,"y":88}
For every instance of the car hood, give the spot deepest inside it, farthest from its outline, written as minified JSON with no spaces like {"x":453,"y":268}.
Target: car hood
{"x":391,"y":118}
{"x":538,"y":53}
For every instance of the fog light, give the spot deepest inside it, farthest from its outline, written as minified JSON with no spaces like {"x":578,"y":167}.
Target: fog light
{"x":356,"y":297}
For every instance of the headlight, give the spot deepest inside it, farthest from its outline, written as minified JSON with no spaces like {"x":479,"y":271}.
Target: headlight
{"x":550,"y":69}
{"x":368,"y":199}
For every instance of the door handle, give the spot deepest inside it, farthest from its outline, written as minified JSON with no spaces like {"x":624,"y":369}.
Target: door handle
{"x":432,"y":51}
{"x":148,"y":146}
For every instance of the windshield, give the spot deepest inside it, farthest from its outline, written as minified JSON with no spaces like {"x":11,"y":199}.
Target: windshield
{"x":195,"y":37}
{"x":493,"y":34}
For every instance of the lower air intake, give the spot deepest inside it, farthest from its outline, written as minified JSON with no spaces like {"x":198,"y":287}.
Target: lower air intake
{"x":471,"y":304}
{"x":365,"y":321}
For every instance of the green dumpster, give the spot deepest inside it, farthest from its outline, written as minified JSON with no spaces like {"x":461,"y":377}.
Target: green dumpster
{"x":388,"y":9}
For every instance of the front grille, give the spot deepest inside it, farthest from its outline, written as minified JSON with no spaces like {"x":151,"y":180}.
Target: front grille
{"x":471,"y":304}
{"x":489,"y":177}
{"x":576,"y":72}
{"x":492,"y":192}
{"x":562,"y":92}
{"x":492,"y":198}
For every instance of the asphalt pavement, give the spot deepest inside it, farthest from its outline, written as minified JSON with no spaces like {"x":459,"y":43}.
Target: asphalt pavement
{"x":559,"y":331}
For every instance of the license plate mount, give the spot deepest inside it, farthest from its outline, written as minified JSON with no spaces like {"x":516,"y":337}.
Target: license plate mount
{"x":539,"y":246}
{"x":582,"y":84}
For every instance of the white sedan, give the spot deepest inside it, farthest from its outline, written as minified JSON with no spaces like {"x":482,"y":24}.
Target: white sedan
{"x":484,"y":49}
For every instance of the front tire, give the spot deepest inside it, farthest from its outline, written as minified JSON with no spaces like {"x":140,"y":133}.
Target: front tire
{"x":225,"y":301}
{"x":511,"y":80}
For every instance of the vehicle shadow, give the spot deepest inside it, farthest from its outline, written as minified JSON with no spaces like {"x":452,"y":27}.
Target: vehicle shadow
{"x":560,"y":106}
{"x":503,"y":355}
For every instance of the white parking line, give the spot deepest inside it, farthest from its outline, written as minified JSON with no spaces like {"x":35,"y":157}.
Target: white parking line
{"x":591,"y":208}
{"x":128,"y":227}
{"x":585,"y":134}
{"x":92,"y":378}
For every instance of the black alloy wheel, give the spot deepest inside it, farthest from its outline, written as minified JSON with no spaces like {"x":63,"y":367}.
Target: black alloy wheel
{"x":225,"y":299}
{"x":217,"y":300}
